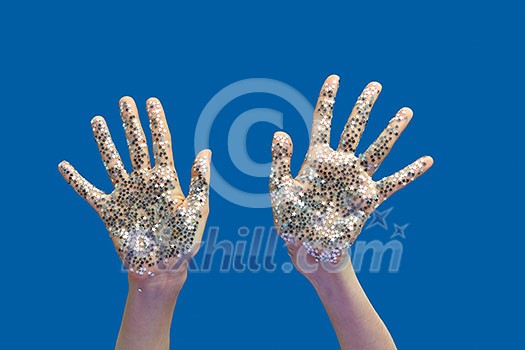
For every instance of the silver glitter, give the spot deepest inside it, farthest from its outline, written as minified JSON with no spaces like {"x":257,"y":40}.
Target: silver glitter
{"x":147,"y":215}
{"x":326,"y":205}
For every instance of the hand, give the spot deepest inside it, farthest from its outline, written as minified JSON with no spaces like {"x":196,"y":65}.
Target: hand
{"x":152,"y":225}
{"x":325,"y":207}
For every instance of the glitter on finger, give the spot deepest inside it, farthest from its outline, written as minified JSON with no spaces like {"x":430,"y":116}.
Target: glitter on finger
{"x":147,"y":216}
{"x":326,"y":205}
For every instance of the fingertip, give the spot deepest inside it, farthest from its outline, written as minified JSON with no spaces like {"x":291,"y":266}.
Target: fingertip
{"x":202,"y":162}
{"x":62,"y":166}
{"x":97,"y":120}
{"x":282,"y":145}
{"x":375,"y":85}
{"x":66,"y":170}
{"x":127,"y":106}
{"x":125,"y":98}
{"x":333,"y":78}
{"x":152,"y":101}
{"x":407,"y":111}
{"x":282,"y":139}
{"x":404,"y":114}
{"x":428,"y":161}
{"x":280,"y":135}
{"x":205,"y":154}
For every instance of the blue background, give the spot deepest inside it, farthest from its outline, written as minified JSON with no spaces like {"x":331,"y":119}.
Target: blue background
{"x":457,"y":64}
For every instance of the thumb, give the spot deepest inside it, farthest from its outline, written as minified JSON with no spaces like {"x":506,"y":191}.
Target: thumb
{"x":200,"y":180}
{"x":282,"y":148}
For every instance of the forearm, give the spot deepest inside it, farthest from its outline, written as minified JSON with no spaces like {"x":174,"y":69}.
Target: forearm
{"x":354,"y":319}
{"x":147,"y":317}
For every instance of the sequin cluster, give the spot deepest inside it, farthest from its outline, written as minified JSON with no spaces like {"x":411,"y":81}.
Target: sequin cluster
{"x":147,"y":216}
{"x":327,"y":204}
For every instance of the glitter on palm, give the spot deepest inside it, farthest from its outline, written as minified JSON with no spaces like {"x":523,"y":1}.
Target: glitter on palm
{"x":325,"y":207}
{"x":147,"y":216}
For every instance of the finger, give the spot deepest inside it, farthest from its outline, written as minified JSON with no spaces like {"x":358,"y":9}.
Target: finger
{"x":108,"y":151}
{"x":379,"y":149}
{"x":282,"y":148}
{"x":322,"y":121}
{"x":200,"y":181}
{"x":359,"y":117}
{"x":86,"y":190}
{"x":196,"y":205}
{"x":137,"y":144}
{"x":162,"y":152}
{"x":390,"y":184}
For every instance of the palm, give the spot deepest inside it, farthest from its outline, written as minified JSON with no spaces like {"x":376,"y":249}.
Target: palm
{"x":338,"y":179}
{"x":327,"y":204}
{"x":145,"y":221}
{"x":147,"y":216}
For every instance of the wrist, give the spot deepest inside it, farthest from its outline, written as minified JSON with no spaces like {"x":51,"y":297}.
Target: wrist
{"x":161,"y":285}
{"x":327,"y":274}
{"x":320,"y":272}
{"x":149,"y":310}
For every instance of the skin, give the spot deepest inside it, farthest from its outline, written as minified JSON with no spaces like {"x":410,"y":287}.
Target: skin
{"x":336,"y":184}
{"x":355,"y":321}
{"x":321,"y":212}
{"x":156,"y":230}
{"x":148,"y":314}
